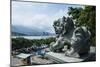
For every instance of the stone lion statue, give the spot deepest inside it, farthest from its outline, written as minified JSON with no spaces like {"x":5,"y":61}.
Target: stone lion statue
{"x":73,"y":41}
{"x":64,"y":31}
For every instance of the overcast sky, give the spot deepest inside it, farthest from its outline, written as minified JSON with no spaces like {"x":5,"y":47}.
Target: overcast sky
{"x":40,"y":15}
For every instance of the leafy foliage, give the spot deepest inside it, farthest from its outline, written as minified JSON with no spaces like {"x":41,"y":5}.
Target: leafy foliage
{"x":18,"y":43}
{"x":85,"y":17}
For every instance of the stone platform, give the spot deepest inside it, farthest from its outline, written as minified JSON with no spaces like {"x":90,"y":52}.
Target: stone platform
{"x":61,"y":58}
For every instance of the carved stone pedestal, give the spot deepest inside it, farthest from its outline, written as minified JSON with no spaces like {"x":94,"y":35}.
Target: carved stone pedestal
{"x":61,"y":58}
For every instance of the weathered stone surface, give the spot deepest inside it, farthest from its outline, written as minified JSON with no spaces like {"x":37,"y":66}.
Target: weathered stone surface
{"x":16,"y":61}
{"x":61,"y":58}
{"x":76,"y":39}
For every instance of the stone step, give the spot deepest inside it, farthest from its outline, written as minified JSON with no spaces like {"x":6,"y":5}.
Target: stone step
{"x":61,"y":58}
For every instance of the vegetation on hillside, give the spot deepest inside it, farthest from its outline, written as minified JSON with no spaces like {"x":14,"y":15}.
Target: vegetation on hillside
{"x":18,"y":43}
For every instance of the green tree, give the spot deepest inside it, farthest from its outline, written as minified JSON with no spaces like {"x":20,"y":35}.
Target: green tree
{"x":85,"y":16}
{"x":18,"y":43}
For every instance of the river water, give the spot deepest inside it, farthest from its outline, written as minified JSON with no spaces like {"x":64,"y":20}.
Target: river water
{"x":32,"y":37}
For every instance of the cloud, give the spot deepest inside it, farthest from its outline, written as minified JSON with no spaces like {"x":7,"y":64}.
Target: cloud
{"x":42,"y":21}
{"x":37,"y":15}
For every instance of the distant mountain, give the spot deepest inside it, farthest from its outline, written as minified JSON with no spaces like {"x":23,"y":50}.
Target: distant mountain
{"x":25,"y":31}
{"x":18,"y":34}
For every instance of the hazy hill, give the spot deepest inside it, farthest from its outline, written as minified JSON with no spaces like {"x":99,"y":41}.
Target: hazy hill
{"x":22,"y":30}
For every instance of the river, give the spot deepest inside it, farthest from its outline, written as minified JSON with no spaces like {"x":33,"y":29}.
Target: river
{"x":32,"y":37}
